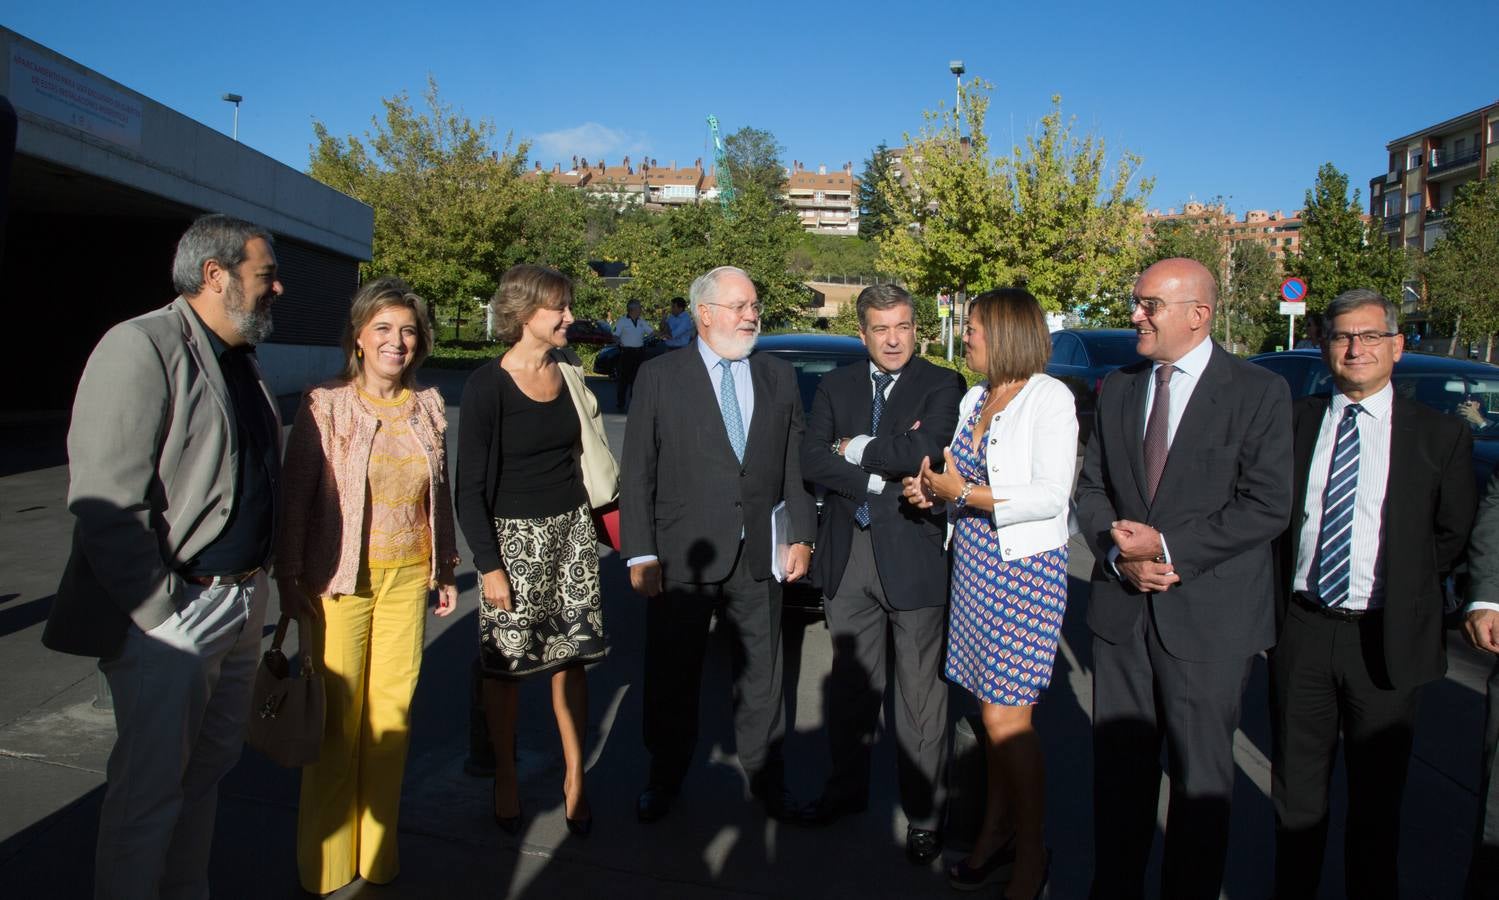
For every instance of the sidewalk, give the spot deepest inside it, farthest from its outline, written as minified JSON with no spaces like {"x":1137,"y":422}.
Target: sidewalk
{"x":53,"y":746}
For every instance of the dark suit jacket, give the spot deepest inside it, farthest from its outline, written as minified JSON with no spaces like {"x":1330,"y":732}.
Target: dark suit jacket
{"x":683,"y":496}
{"x":1429,"y":505}
{"x":908,"y":542}
{"x":1224,"y":496}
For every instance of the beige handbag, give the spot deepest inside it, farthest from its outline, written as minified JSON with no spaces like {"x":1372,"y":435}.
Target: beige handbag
{"x":286,"y":718}
{"x":600,"y":471}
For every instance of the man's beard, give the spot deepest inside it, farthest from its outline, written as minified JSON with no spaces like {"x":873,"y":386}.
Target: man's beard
{"x":739,"y":346}
{"x":254,"y":325}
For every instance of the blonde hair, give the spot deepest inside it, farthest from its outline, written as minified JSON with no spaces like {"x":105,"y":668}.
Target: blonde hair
{"x":1015,"y":333}
{"x":377,"y":295}
{"x":523,"y":290}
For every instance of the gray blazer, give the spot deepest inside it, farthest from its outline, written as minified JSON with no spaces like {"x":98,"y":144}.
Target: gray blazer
{"x":1224,"y":495}
{"x":683,"y":496}
{"x":152,"y":454}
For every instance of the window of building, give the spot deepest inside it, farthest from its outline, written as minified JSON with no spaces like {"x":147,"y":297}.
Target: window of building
{"x":1392,"y":203}
{"x":1413,"y":159}
{"x":1459,"y":146}
{"x":1494,"y":131}
{"x":1413,"y":202}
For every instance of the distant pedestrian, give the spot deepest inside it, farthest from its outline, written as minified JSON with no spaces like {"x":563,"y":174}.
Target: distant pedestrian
{"x":1182,"y":489}
{"x":679,"y":328}
{"x":1006,"y":482}
{"x":174,"y":456}
{"x":522,"y":492}
{"x":630,"y":333}
{"x":1382,"y":502}
{"x":1313,"y":339}
{"x":366,"y":532}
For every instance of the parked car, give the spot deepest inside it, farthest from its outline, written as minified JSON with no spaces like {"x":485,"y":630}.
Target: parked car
{"x":1081,"y":358}
{"x":590,"y":331}
{"x":607,"y":362}
{"x":1440,"y":382}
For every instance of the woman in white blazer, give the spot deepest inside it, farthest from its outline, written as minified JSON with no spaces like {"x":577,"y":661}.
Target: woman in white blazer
{"x":1007,"y":480}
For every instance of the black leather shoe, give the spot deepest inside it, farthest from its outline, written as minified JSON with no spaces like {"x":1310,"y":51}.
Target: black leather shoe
{"x":655,"y":802}
{"x":922,"y":846}
{"x":826,"y":810}
{"x":778,"y":802}
{"x":993,"y":870}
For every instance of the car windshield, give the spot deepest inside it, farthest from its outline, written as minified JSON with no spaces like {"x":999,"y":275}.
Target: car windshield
{"x":809,"y":371}
{"x":1474,"y":400}
{"x":1112,"y":351}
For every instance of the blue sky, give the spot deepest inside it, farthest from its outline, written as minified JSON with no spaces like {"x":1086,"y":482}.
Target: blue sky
{"x":1241,"y":100}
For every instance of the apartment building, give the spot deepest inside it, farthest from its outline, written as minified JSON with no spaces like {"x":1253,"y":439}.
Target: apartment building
{"x":1278,"y":233}
{"x":1425,"y":168}
{"x":826,"y":202}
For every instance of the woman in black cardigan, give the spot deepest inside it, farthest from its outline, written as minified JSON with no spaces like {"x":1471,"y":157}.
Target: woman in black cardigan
{"x":523,"y":507}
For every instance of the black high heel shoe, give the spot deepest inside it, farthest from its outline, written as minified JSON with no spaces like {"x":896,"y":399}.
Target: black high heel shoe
{"x":996,"y":868}
{"x":508,"y":824}
{"x":1045,"y":878}
{"x":580,"y":827}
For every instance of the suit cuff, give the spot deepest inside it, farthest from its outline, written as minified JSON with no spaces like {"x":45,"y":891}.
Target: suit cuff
{"x":876,"y":484}
{"x":1165,"y":551}
{"x":1475,"y":605}
{"x":634,"y":561}
{"x":1112,"y":559}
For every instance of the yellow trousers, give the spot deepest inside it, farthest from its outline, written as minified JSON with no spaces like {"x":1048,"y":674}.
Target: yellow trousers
{"x":371,"y":648}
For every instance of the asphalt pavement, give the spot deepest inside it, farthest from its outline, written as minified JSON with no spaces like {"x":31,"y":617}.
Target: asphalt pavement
{"x":715,"y":842}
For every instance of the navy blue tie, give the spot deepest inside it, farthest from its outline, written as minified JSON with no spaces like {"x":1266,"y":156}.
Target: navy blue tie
{"x":876,"y":409}
{"x":1335,"y":536}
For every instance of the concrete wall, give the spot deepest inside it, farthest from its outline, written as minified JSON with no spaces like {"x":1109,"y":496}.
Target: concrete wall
{"x":293,"y":368}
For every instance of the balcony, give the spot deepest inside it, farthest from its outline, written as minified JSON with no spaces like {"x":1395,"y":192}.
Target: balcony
{"x":1445,"y":161}
{"x":1391,"y":224}
{"x":1435,"y":214}
{"x":1393,"y":176}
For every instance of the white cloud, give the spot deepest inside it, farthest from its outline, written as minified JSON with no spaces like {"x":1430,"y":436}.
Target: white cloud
{"x":589,"y":140}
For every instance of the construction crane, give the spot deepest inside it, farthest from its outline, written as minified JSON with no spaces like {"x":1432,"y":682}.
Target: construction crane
{"x":721,"y":159}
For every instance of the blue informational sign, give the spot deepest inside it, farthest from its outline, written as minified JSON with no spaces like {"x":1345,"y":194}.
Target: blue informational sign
{"x":1293,"y":289}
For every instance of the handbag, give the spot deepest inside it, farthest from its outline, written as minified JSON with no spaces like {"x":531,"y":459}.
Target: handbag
{"x":606,"y":524}
{"x":600,"y":471}
{"x":286,"y":715}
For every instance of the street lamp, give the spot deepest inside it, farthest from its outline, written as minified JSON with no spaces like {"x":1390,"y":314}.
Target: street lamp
{"x":235,"y":99}
{"x":956,"y":67}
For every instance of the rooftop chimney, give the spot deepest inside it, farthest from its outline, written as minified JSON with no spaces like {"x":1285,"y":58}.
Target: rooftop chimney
{"x":575,"y":162}
{"x":822,"y":170}
{"x":556,"y":168}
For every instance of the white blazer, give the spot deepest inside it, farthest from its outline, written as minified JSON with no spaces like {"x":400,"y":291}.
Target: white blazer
{"x":1031,"y":451}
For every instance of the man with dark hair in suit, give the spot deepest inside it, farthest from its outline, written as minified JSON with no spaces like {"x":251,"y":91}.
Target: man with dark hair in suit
{"x":173,"y":457}
{"x":1481,"y":624}
{"x":882,"y":563}
{"x":1182,"y":489}
{"x":711,"y":448}
{"x":1359,"y":627}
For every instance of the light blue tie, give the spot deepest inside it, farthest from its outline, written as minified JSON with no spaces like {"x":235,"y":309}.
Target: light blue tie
{"x":728,"y":404}
{"x":876,"y":409}
{"x":1335,"y":536}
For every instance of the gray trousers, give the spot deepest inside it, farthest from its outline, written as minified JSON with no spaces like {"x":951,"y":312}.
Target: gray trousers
{"x":182,"y":698}
{"x":861,"y":622}
{"x":1483,"y":874}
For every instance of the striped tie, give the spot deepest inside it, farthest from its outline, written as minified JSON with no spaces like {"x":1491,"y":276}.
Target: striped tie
{"x":728,"y":405}
{"x":1335,"y":537}
{"x":876,"y":409}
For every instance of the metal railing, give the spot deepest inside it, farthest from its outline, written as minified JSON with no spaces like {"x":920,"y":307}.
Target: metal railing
{"x":1442,"y":160}
{"x":1391,"y":224}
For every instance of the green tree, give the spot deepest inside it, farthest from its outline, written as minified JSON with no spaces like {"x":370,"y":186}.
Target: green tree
{"x":876,"y":216}
{"x":1461,"y":271}
{"x":1250,"y":309}
{"x":666,"y":252}
{"x":1177,"y":238}
{"x":1050,"y":215}
{"x":1336,"y":251}
{"x":442,"y":192}
{"x":754,"y":157}
{"x":832,"y":254}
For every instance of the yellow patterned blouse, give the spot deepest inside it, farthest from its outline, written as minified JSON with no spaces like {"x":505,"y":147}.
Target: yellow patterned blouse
{"x":399,"y":482}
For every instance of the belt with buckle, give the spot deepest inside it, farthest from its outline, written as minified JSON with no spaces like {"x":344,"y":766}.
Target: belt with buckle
{"x":1330,"y":612}
{"x":216,"y":580}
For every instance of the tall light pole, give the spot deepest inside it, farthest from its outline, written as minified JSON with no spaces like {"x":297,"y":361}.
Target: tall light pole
{"x":235,"y":99}
{"x":960,"y":295}
{"x":956,"y":67}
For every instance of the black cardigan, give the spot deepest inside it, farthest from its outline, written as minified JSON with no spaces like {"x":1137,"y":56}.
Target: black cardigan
{"x":476,"y":482}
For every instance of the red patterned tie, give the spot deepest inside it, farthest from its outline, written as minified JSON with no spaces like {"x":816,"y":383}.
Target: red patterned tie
{"x":1156,"y":427}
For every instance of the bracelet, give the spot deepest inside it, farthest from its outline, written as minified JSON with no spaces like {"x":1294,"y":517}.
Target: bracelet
{"x":962,"y":499}
{"x":836,"y":442}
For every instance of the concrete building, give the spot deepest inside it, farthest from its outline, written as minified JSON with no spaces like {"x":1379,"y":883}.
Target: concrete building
{"x":1278,"y":233}
{"x":826,"y":202}
{"x":102,"y":184}
{"x":1409,"y":199}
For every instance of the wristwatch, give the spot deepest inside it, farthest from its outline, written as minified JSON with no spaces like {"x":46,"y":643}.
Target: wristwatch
{"x":836,"y":443}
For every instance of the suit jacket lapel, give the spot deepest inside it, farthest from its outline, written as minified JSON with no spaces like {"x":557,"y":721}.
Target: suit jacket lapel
{"x":701,"y":392}
{"x":1404,"y":438}
{"x":760,"y":379}
{"x":202,"y":351}
{"x":1201,"y":409}
{"x":1133,"y":410}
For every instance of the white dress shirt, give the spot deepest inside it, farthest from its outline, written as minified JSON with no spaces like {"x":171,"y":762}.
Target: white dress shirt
{"x":853,"y":451}
{"x":1365,"y":559}
{"x":632,"y":333}
{"x":744,"y":392}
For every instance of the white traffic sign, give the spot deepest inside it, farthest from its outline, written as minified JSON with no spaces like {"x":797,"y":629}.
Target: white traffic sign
{"x":1292,"y":309}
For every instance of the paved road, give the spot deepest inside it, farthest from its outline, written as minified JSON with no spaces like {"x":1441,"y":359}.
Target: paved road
{"x":53,"y":746}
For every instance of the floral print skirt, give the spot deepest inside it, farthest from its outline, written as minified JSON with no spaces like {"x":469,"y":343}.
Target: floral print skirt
{"x":556,"y":617}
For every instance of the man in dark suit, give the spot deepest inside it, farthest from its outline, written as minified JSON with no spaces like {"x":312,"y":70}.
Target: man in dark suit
{"x":1481,"y":623}
{"x":881,"y":562}
{"x":711,"y":447}
{"x":1183,"y":487}
{"x":1383,"y":501}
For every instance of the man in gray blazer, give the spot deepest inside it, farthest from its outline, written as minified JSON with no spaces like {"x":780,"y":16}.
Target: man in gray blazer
{"x":711,"y":447}
{"x":1481,"y":623}
{"x":174,"y":455}
{"x":1185,"y":483}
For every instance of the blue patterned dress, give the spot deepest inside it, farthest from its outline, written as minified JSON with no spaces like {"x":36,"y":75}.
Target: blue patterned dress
{"x":1005,"y":618}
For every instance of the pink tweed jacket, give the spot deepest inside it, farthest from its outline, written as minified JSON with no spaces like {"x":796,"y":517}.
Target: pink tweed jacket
{"x":324,"y":480}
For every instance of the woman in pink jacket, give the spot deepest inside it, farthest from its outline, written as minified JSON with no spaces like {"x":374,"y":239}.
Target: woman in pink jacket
{"x":366,"y":534}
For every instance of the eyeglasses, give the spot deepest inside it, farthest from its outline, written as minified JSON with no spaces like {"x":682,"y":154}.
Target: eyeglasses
{"x":737,"y":308}
{"x":1151,"y":305}
{"x":1341,"y":339}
